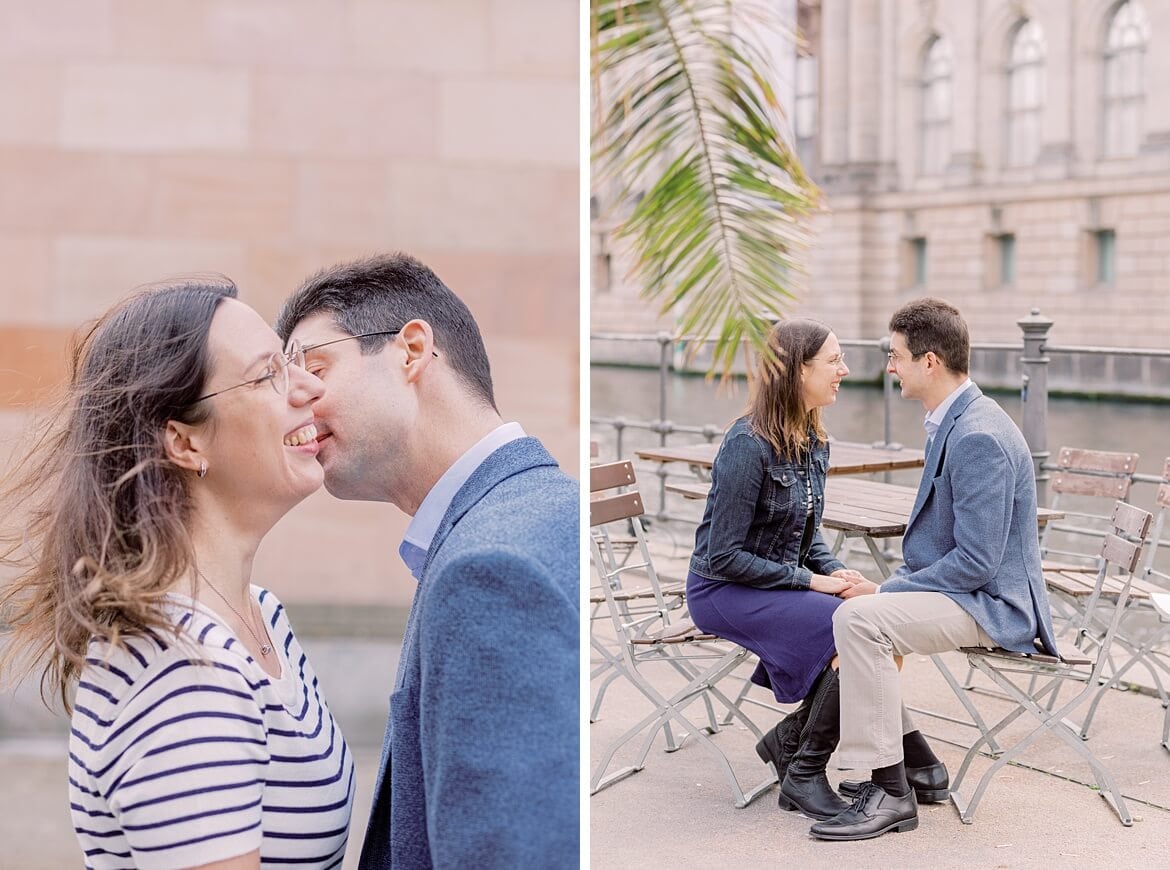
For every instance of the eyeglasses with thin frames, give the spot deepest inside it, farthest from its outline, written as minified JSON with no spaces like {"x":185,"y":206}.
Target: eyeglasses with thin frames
{"x":835,"y":361}
{"x":895,"y":357}
{"x":275,"y":372}
{"x":310,"y":347}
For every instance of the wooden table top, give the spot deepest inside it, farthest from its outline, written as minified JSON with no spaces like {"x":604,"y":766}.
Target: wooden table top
{"x":845,"y":457}
{"x":867,"y":507}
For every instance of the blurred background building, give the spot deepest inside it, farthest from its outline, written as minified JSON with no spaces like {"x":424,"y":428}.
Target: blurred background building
{"x":265,"y":139}
{"x":1003,"y":154}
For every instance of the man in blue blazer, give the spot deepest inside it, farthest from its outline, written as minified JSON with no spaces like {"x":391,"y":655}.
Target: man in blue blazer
{"x":971,"y":576}
{"x":480,"y":761}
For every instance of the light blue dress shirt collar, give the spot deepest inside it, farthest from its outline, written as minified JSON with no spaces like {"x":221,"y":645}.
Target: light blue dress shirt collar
{"x":421,"y":531}
{"x":935,"y":418}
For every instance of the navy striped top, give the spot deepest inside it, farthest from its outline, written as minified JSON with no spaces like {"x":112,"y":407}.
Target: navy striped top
{"x":175,"y":762}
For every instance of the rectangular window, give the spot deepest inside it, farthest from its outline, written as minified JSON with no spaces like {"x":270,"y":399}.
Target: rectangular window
{"x":918,"y":252}
{"x":1105,"y":243}
{"x":1006,"y":245}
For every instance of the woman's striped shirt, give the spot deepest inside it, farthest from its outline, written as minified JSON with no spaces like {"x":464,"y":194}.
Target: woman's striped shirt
{"x":175,"y":762}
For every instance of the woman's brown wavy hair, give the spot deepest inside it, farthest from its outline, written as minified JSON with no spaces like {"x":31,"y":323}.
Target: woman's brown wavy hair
{"x":776,"y":404}
{"x":95,"y":513}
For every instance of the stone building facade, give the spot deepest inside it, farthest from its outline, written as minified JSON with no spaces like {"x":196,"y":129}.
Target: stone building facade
{"x":1003,"y":154}
{"x":265,"y":139}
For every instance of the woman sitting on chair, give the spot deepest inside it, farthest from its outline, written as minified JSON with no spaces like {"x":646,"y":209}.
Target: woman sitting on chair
{"x":762,"y":577}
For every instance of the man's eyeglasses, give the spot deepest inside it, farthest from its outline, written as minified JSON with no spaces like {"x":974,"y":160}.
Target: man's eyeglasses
{"x":275,"y":371}
{"x":386,"y":332}
{"x":895,"y":357}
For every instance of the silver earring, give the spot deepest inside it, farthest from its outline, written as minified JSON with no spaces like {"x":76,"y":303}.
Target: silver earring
{"x":202,"y":468}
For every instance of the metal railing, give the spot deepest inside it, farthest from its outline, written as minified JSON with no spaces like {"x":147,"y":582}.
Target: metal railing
{"x":1034,"y":392}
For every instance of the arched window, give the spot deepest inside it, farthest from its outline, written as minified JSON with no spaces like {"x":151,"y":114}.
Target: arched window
{"x":1025,"y":94}
{"x":935,"y":110}
{"x":1124,"y":91}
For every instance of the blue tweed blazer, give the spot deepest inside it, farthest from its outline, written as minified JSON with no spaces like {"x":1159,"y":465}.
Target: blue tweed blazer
{"x":480,"y":763}
{"x":972,"y":533}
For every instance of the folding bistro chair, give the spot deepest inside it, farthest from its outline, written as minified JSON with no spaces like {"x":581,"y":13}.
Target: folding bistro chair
{"x":1014,"y":674}
{"x":646,"y":595}
{"x":648,"y":639}
{"x":1144,"y":634}
{"x":1084,"y":487}
{"x":1161,"y":602}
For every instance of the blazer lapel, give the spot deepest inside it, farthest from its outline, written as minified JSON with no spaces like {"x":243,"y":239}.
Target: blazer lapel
{"x":510,"y":459}
{"x":934,"y":456}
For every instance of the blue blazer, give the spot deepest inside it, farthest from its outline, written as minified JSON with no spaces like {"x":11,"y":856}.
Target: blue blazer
{"x":480,"y":764}
{"x":972,"y":533}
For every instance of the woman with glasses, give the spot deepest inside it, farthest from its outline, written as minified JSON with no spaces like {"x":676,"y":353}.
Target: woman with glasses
{"x":761,"y":575}
{"x":199,"y":736}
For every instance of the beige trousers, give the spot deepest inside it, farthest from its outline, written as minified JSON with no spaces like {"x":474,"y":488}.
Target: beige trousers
{"x":869,"y":632}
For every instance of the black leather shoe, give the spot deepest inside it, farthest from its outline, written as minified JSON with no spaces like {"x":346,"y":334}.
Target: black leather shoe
{"x":931,"y":784}
{"x":874,"y":812}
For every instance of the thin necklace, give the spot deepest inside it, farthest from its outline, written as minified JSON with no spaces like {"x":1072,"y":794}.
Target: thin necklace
{"x":265,"y":648}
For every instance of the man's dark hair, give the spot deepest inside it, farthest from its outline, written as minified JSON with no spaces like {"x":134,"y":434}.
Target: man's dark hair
{"x":384,"y":292}
{"x":934,"y":325}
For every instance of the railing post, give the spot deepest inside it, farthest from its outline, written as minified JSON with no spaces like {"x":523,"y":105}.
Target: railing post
{"x":887,"y":393}
{"x":1034,"y":395}
{"x":665,"y":344}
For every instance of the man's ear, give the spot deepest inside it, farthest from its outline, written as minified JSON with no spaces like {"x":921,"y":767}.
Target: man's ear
{"x":419,"y":341}
{"x":184,"y":445}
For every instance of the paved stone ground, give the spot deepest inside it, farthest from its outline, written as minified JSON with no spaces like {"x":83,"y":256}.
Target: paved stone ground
{"x":678,"y":810}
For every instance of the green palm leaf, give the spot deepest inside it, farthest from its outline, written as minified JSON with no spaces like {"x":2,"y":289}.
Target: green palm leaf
{"x":687,"y":128}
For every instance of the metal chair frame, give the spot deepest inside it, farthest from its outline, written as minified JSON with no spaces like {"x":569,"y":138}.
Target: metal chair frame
{"x":1045,"y":675}
{"x":650,"y":639}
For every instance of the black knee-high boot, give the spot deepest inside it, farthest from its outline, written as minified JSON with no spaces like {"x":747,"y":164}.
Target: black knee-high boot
{"x":805,"y":785}
{"x":780,"y":744}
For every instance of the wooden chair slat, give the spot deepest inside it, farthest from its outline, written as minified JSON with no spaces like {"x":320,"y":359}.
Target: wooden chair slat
{"x":1163,"y":497}
{"x":611,"y":508}
{"x":1095,"y":486}
{"x":1079,"y":459}
{"x":1118,"y":551}
{"x":1069,"y":584}
{"x":668,"y":591}
{"x":1070,"y":657}
{"x":681,"y":633}
{"x":610,"y":475}
{"x":1131,"y":521}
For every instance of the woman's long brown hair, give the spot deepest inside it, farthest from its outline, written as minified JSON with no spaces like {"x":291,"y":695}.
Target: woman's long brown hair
{"x":95,"y":514}
{"x":776,"y":405}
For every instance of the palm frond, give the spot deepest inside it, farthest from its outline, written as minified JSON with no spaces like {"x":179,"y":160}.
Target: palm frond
{"x":688,"y":129}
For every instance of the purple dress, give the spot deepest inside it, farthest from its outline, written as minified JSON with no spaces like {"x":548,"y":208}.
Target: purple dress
{"x":791,"y":630}
{"x":756,"y":550}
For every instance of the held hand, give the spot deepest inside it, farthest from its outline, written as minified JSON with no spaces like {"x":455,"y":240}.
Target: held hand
{"x":829,"y":585}
{"x":849,"y":574}
{"x":865,"y":587}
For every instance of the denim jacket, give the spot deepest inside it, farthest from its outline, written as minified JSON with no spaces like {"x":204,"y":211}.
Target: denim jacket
{"x":754,"y":521}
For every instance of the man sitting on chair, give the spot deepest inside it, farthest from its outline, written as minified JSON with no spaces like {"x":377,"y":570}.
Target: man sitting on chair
{"x":971,"y":577}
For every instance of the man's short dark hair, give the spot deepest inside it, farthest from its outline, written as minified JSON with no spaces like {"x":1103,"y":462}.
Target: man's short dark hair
{"x":384,"y":292}
{"x":934,"y":325}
